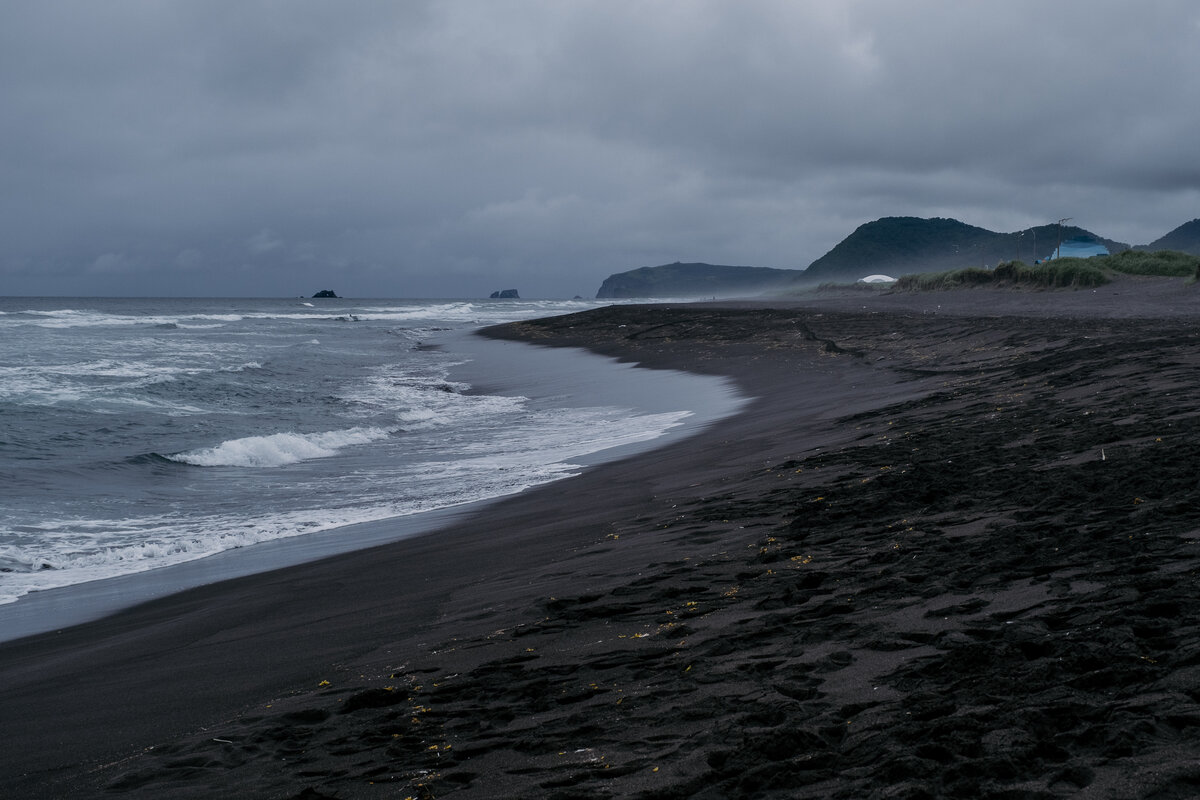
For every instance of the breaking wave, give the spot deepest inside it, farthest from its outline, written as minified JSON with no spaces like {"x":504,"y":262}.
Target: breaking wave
{"x":279,"y":449}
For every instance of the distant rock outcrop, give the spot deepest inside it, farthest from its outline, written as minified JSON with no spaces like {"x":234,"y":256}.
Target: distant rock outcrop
{"x":695,"y":280}
{"x":506,"y":294}
{"x":1185,"y":238}
{"x":904,"y":245}
{"x":325,"y":293}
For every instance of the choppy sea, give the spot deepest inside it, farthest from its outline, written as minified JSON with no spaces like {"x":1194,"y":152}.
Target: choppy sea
{"x":141,"y":433}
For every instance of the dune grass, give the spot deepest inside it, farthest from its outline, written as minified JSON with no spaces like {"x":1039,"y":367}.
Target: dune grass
{"x":1171,"y":263}
{"x":1061,"y":273}
{"x":1074,"y":273}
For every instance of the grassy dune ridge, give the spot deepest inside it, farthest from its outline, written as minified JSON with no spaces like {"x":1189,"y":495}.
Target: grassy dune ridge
{"x":1061,"y":273}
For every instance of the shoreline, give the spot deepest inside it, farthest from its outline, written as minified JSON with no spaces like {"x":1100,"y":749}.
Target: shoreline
{"x":950,"y":554}
{"x":506,"y":371}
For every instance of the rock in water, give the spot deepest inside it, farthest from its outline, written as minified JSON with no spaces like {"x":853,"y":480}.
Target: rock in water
{"x":325,"y":293}
{"x":506,"y":294}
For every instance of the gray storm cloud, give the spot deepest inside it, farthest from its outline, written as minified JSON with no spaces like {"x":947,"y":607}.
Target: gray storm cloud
{"x":445,"y":149}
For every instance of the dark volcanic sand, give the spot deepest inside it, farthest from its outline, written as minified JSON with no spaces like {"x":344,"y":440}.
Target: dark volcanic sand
{"x":942,"y":555}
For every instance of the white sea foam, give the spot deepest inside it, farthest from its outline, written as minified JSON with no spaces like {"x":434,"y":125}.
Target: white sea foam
{"x":279,"y":449}
{"x":71,"y":551}
{"x":243,"y":367}
{"x":422,"y":397}
{"x":482,"y":313}
{"x":83,"y":318}
{"x":104,"y":385}
{"x":391,"y":440}
{"x":109,"y":368}
{"x":65,"y":387}
{"x":538,"y":448}
{"x":136,"y":545}
{"x":571,"y":433}
{"x":454,"y":311}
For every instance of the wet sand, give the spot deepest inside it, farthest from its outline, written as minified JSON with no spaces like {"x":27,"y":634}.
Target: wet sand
{"x":950,"y":550}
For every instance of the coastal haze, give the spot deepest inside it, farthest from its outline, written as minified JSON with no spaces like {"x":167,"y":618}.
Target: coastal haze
{"x":448,"y":150}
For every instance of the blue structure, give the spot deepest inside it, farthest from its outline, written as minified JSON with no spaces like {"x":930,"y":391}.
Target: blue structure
{"x":1080,"y":248}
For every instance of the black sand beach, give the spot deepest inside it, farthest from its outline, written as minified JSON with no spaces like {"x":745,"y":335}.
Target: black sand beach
{"x":950,"y":550}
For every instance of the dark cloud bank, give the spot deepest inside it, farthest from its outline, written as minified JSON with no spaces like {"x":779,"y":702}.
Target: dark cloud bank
{"x":424,"y":149}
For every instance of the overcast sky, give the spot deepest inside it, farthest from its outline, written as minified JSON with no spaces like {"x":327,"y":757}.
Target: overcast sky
{"x":452,"y":148}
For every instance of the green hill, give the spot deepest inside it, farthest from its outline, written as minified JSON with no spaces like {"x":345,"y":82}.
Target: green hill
{"x":893,"y":246}
{"x":695,"y":280}
{"x":1185,"y":239}
{"x":903,"y":245}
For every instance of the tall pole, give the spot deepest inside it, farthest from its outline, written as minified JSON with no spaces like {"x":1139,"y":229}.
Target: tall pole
{"x":1058,"y":250}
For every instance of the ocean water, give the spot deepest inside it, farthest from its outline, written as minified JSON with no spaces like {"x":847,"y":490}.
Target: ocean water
{"x":136,"y":434}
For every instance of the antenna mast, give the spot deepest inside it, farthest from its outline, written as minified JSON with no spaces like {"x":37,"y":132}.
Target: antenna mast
{"x":1058,"y":250}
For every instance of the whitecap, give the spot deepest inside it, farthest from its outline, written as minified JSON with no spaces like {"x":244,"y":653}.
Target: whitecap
{"x":279,"y":449}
